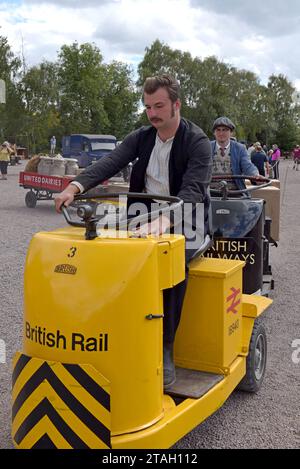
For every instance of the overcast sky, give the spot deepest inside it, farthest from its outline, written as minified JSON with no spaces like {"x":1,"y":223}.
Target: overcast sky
{"x":258,"y":35}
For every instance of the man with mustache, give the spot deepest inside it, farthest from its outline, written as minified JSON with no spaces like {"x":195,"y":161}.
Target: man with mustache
{"x":174,"y":158}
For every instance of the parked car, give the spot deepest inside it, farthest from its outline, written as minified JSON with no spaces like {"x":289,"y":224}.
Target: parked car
{"x":87,"y":148}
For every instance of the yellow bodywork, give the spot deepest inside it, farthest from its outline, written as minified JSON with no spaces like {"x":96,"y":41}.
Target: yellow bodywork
{"x":210,"y":330}
{"x":90,"y":374}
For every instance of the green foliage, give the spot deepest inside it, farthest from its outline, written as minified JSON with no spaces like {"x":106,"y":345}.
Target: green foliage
{"x":120,"y":100}
{"x":211,"y":88}
{"x":83,"y":87}
{"x":287,"y":136}
{"x":9,"y":72}
{"x":80,"y":93}
{"x":77,"y":93}
{"x":41,"y":95}
{"x":9,"y":65}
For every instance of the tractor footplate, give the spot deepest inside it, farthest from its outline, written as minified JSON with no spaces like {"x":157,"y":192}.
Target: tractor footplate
{"x":192,"y":383}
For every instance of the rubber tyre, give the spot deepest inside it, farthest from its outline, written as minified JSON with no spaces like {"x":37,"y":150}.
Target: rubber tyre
{"x":256,"y":360}
{"x":30,"y":199}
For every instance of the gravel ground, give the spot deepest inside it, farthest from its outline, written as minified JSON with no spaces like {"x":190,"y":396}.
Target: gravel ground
{"x":269,"y":419}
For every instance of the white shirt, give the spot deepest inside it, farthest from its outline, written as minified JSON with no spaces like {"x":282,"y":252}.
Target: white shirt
{"x":157,"y":172}
{"x":226,"y":147}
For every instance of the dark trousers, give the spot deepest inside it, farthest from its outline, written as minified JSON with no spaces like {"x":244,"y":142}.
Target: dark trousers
{"x":275,"y":166}
{"x":3,"y":167}
{"x":172,"y":297}
{"x":173,"y":302}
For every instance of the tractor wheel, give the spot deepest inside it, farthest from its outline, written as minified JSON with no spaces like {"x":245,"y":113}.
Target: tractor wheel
{"x":256,"y":360}
{"x":30,"y":199}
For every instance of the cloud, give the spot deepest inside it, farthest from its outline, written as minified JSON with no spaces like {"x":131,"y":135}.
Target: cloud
{"x":131,"y":30}
{"x":72,"y":3}
{"x":260,"y":36}
{"x":39,"y":31}
{"x":267,"y":17}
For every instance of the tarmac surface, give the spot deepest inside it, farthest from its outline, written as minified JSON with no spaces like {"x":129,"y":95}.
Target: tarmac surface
{"x":269,"y":419}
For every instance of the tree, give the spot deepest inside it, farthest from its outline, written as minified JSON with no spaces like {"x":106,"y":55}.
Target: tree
{"x":83,"y":87}
{"x":211,"y":88}
{"x":120,"y":99}
{"x":41,"y":95}
{"x":160,"y":58}
{"x":285,"y":112}
{"x":11,"y":112}
{"x":79,"y":93}
{"x":211,"y":93}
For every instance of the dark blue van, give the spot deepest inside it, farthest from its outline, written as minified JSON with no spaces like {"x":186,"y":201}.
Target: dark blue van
{"x":87,"y":148}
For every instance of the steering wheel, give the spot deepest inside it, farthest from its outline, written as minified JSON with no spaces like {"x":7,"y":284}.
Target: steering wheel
{"x":225,"y":192}
{"x":90,"y":221}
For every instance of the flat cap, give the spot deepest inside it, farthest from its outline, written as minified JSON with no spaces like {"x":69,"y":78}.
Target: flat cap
{"x":225,"y":122}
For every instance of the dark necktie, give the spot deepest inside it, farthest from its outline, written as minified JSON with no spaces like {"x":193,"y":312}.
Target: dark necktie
{"x":222,"y":151}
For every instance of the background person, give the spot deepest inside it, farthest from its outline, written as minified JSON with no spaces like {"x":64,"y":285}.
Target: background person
{"x":296,"y":157}
{"x":265,"y":148}
{"x":275,"y":158}
{"x":52,"y":145}
{"x":174,"y":158}
{"x":4,"y":160}
{"x":229,"y":156}
{"x":260,"y":159}
{"x":14,"y":158}
{"x":269,"y":155}
{"x":250,"y":149}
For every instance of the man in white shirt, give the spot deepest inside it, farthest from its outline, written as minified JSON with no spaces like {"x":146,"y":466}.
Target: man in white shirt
{"x":52,"y":145}
{"x":174,"y":158}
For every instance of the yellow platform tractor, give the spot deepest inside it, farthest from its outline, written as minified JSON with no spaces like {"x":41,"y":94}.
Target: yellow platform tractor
{"x":90,"y":374}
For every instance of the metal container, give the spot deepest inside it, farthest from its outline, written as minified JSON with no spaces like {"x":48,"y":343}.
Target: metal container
{"x":57,"y":167}
{"x":44,"y":165}
{"x":71,"y":167}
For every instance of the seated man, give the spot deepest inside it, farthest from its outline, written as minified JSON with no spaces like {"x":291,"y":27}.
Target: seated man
{"x":174,"y":158}
{"x":229,"y":156}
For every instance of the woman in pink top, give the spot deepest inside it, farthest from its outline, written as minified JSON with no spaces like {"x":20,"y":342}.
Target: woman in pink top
{"x":275,"y":160}
{"x":296,"y":155}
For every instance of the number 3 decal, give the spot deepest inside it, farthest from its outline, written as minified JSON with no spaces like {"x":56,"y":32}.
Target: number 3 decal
{"x":72,"y":252}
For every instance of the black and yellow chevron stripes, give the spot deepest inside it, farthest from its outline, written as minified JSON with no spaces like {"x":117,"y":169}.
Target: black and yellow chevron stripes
{"x":59,"y":405}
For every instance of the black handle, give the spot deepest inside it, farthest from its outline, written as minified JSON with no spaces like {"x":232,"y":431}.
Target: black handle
{"x":154,"y":316}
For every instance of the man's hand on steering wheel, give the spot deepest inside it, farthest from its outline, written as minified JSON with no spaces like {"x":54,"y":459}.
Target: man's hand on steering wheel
{"x":259,"y":179}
